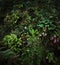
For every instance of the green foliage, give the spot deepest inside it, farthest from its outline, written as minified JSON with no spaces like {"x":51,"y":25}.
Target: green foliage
{"x":7,"y":53}
{"x":12,"y":18}
{"x":30,"y":32}
{"x":12,"y":41}
{"x":47,"y":24}
{"x":50,"y":57}
{"x":33,"y":53}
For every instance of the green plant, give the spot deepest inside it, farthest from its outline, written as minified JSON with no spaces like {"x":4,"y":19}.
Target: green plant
{"x":12,"y":42}
{"x":33,"y":54}
{"x":48,"y":24}
{"x":28,"y":30}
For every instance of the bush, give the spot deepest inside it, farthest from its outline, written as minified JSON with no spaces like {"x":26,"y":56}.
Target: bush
{"x":31,"y":32}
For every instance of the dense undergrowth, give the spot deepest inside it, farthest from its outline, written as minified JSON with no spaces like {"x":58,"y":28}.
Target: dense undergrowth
{"x":30,"y":32}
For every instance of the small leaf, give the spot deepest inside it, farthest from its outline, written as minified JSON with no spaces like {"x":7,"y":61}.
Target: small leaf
{"x":41,"y":25}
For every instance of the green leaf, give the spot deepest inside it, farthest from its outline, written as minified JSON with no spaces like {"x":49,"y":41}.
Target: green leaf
{"x":41,"y":25}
